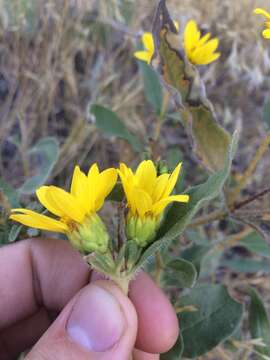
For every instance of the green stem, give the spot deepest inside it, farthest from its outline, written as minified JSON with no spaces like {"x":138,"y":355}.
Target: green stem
{"x":123,"y":283}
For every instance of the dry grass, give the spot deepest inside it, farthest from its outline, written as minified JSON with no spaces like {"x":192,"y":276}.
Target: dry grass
{"x":79,"y":52}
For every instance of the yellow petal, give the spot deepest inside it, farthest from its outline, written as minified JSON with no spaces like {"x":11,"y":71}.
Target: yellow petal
{"x":127,"y":184}
{"x":143,"y":202}
{"x":144,"y":56}
{"x":32,"y":219}
{"x":75,"y":183}
{"x":159,"y":207}
{"x":204,"y":39}
{"x":260,"y":11}
{"x":123,"y":169}
{"x":68,"y":204}
{"x":266,"y":34}
{"x":172,"y":180}
{"x":160,"y":187}
{"x":191,"y":35}
{"x":204,"y":54}
{"x":146,"y":175}
{"x":44,"y":199}
{"x":148,"y":42}
{"x":80,"y":189}
{"x":93,"y":172}
{"x":106,"y":182}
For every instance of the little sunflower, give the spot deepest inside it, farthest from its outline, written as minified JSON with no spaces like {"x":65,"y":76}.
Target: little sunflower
{"x":266,"y":14}
{"x":147,"y":197}
{"x":199,"y":49}
{"x":75,"y":210}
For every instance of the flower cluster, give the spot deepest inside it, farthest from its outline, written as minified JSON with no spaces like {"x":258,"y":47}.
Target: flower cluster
{"x":75,"y":212}
{"x":200,"y":50}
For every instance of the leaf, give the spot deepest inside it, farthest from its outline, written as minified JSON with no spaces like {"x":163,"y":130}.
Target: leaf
{"x":195,"y":254}
{"x":10,"y":193}
{"x":211,"y":261}
{"x":176,"y":352}
{"x":242,"y":265}
{"x":117,"y":194}
{"x":152,"y":87}
{"x":14,"y":233}
{"x":45,"y":153}
{"x":180,"y":215}
{"x":217,"y":317}
{"x":266,"y":113}
{"x":110,"y":124}
{"x":256,"y":244}
{"x":210,"y":140}
{"x":258,"y":322}
{"x":180,"y":273}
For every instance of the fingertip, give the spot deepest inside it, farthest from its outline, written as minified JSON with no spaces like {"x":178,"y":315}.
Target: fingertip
{"x":158,"y":327}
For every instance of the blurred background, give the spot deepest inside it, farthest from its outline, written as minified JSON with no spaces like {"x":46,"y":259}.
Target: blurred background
{"x":59,"y":57}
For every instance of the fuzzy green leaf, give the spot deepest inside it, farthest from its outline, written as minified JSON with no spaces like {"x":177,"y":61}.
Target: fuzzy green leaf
{"x":14,"y":232}
{"x":109,"y":123}
{"x":180,"y":273}
{"x":258,"y":322}
{"x":216,"y":319}
{"x":266,"y":113}
{"x":152,"y":87}
{"x":195,"y":254}
{"x":256,"y":244}
{"x":45,"y":153}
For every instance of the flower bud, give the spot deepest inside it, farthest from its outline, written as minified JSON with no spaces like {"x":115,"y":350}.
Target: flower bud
{"x":142,"y":231}
{"x":90,"y":236}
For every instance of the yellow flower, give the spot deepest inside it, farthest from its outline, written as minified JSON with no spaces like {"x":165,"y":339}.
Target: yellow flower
{"x":199,"y":49}
{"x":266,"y":14}
{"x":149,"y":46}
{"x":75,"y":210}
{"x":147,"y":197}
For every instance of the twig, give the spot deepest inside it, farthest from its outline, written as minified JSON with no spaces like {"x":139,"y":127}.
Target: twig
{"x":221,"y":214}
{"x":251,"y":198}
{"x":213,"y":216}
{"x":250,"y":170}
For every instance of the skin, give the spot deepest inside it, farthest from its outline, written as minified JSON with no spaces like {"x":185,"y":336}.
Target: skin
{"x":41,"y":280}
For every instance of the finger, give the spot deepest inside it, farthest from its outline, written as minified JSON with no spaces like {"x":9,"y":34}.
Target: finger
{"x":23,"y":335}
{"x":140,"y":355}
{"x":36,"y":273}
{"x":100,"y":323}
{"x":157,"y":323}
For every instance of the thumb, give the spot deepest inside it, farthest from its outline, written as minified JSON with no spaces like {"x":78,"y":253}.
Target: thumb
{"x":99,"y":323}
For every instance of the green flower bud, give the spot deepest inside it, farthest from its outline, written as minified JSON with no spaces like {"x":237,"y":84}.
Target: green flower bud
{"x":90,"y":236}
{"x":142,"y":230}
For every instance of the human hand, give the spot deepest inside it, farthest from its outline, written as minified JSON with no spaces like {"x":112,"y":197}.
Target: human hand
{"x":50,"y":298}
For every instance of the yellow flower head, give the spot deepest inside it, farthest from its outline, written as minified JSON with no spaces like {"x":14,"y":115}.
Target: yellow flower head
{"x":266,"y":32}
{"x":147,"y":197}
{"x":199,"y":49}
{"x":149,"y":46}
{"x":75,"y":210}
